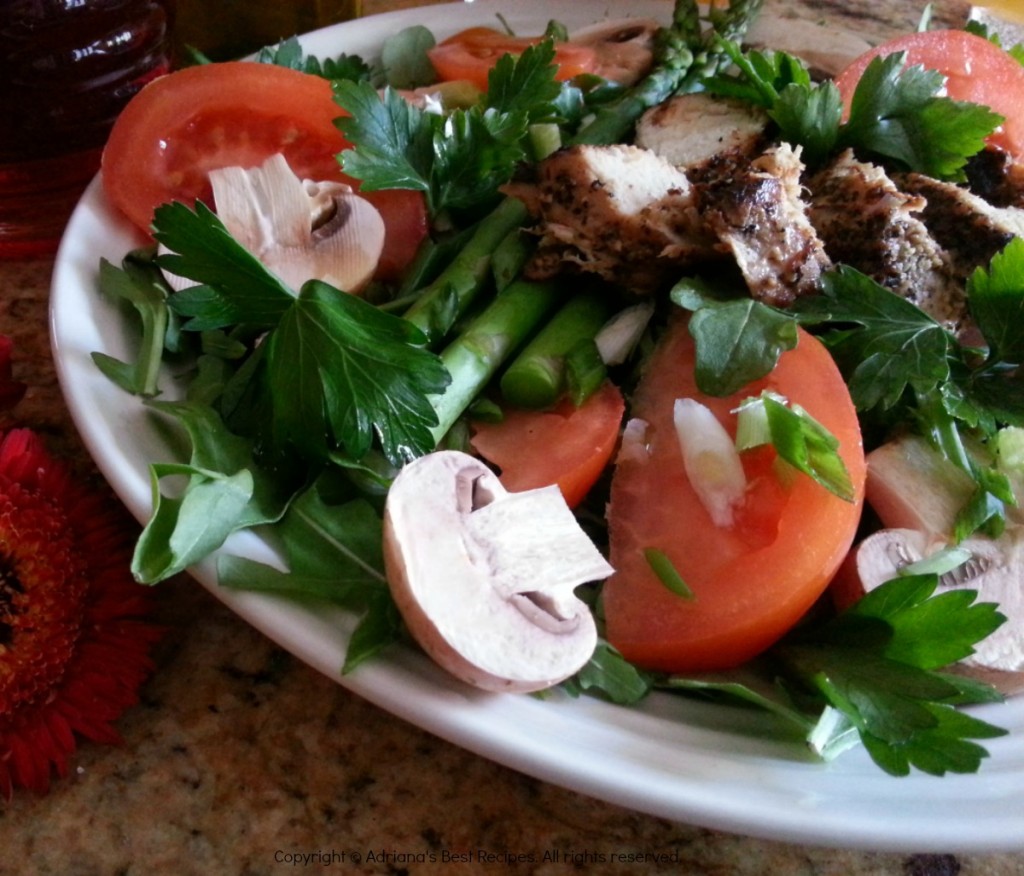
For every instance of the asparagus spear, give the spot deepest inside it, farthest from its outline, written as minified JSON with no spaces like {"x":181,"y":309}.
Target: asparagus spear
{"x":537,"y":376}
{"x":684,"y":56}
{"x":475,"y":356}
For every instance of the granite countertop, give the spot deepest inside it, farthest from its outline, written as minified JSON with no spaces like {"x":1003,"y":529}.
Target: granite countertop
{"x":241,"y":759}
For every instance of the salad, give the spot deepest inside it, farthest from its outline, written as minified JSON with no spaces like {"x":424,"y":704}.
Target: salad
{"x":307,"y":407}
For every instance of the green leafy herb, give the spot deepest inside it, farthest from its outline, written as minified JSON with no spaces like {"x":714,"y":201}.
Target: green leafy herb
{"x":874,"y":673}
{"x":332,"y":555}
{"x":225,"y":491}
{"x":404,"y":58}
{"x":878,"y":664}
{"x":335,"y":369}
{"x":460,"y":159}
{"x":738,"y":339}
{"x":610,"y":673}
{"x":136,"y":283}
{"x":289,"y":53}
{"x":896,"y":112}
{"x":338,"y":368}
{"x":884,"y":343}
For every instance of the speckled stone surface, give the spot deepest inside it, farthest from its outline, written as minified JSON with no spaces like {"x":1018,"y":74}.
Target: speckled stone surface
{"x":242,"y":760}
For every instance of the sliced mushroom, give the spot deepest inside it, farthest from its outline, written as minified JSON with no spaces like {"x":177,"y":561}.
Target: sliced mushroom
{"x":992,"y":567}
{"x":300,"y":229}
{"x":625,"y":47}
{"x":485,"y":579}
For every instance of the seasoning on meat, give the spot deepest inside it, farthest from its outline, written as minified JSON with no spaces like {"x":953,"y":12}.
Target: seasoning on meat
{"x":620,"y":212}
{"x":992,"y":174}
{"x":970,"y":229}
{"x":866,"y":222}
{"x":759,"y":215}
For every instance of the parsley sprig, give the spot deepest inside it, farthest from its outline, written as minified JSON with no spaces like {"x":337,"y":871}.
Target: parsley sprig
{"x":334,"y":371}
{"x":457,"y":159}
{"x":879,"y":664}
{"x":897,"y":112}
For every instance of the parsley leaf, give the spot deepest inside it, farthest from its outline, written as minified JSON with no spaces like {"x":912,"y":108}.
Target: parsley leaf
{"x":460,"y":159}
{"x":235,"y":286}
{"x":997,"y":303}
{"x":883,"y":343}
{"x":876,"y":663}
{"x":333,"y":367}
{"x":289,"y":53}
{"x":340,"y":369}
{"x":895,"y":112}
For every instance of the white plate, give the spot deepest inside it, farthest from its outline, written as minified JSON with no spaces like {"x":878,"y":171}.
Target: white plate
{"x":692,"y":762}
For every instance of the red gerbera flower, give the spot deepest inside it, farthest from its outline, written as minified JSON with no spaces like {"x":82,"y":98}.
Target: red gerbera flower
{"x":74,"y":639}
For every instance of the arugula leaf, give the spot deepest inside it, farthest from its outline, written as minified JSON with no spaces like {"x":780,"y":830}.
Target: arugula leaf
{"x":610,"y":673}
{"x":136,"y":283}
{"x":225,"y":491}
{"x":333,"y":555}
{"x":340,"y":369}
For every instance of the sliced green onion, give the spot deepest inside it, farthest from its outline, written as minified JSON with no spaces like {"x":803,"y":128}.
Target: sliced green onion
{"x":667,"y":573}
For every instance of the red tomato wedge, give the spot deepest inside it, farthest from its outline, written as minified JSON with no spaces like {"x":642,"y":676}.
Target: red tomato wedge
{"x":183,"y":125}
{"x":976,"y":70}
{"x":470,"y":54}
{"x":752,"y":581}
{"x":567,"y":446}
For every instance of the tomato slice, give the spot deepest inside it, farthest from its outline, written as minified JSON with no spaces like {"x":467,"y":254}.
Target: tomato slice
{"x":752,"y":581}
{"x":237,"y":113}
{"x":567,"y":446}
{"x":470,"y":54}
{"x":976,"y":70}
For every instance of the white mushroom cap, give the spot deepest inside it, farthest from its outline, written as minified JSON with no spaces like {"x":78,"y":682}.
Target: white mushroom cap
{"x":300,"y":229}
{"x":485,"y":578}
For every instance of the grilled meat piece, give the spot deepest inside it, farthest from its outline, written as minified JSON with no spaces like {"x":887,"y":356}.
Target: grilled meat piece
{"x":866,"y":222}
{"x":992,"y":174}
{"x":620,"y":212}
{"x":759,"y":215}
{"x":970,"y":229}
{"x":691,"y":130}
